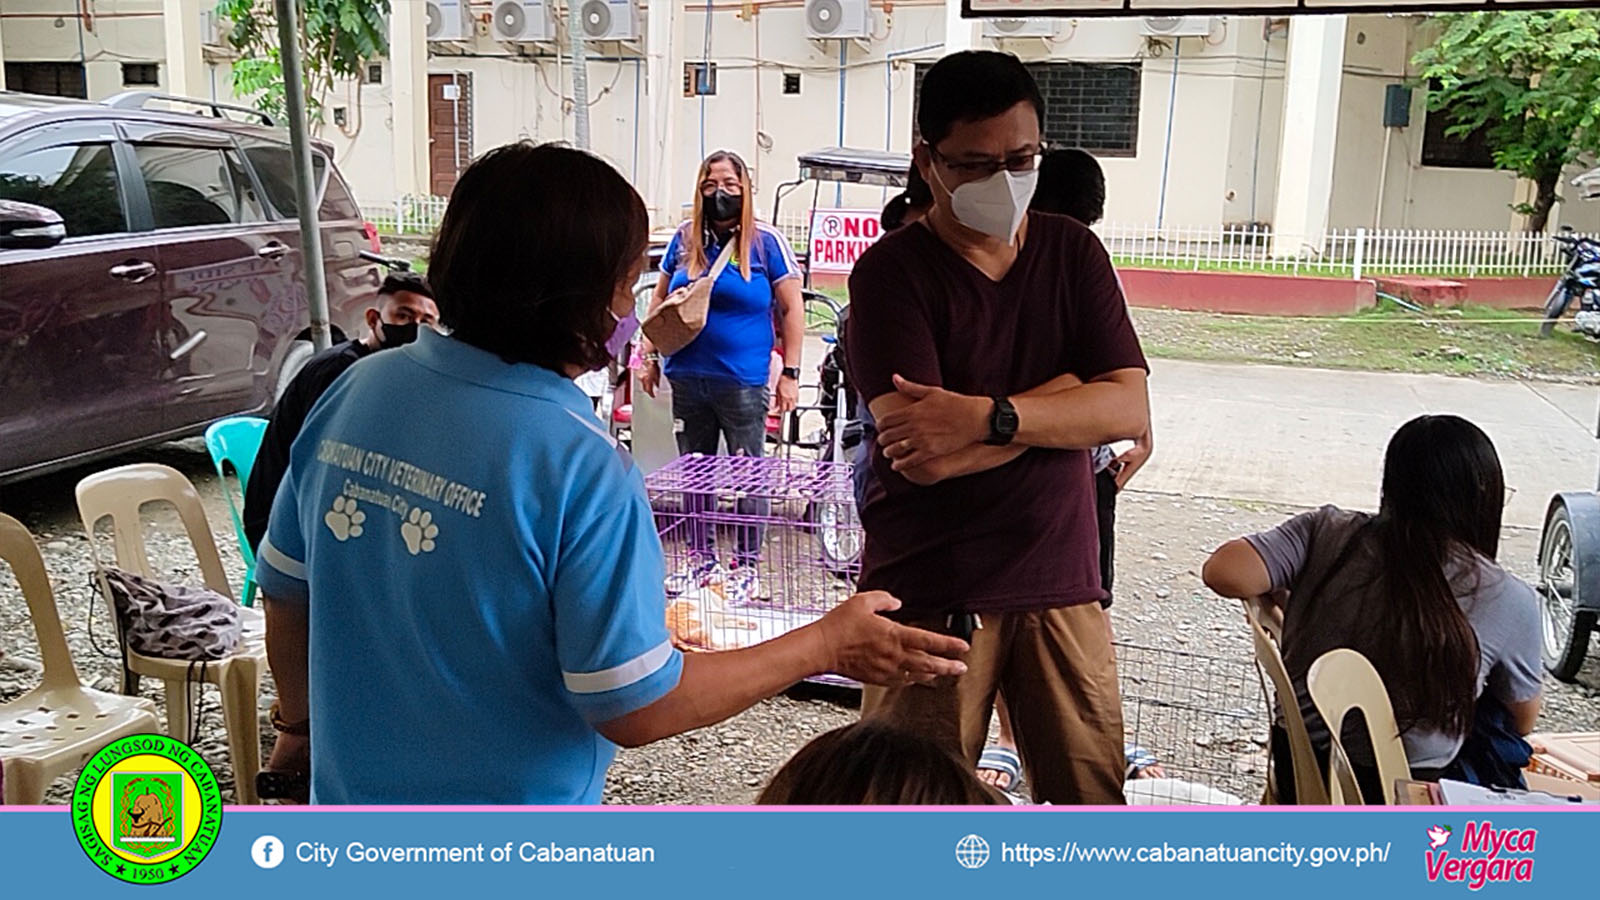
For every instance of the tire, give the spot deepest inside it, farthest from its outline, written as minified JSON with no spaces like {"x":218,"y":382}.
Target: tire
{"x":1565,"y":626}
{"x":839,"y":536}
{"x":1554,"y":306}
{"x":300,"y":352}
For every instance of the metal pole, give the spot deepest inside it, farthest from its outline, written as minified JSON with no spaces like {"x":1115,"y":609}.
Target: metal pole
{"x":1383,"y":179}
{"x":1166,"y":155}
{"x":580,"y":75}
{"x":294,"y":95}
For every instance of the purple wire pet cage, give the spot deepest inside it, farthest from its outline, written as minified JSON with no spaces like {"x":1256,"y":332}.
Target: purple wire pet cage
{"x":755,"y":547}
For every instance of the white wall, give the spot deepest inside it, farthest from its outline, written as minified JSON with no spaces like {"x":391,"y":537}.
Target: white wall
{"x":1378,"y":51}
{"x":1226,"y":120}
{"x":1256,"y":122}
{"x":122,"y":31}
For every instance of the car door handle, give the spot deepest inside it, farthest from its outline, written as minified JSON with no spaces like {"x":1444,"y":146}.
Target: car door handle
{"x":273,"y":251}
{"x":134,"y":271}
{"x":188,"y":347}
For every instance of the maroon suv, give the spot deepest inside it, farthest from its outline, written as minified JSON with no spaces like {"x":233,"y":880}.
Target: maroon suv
{"x":151,"y":279}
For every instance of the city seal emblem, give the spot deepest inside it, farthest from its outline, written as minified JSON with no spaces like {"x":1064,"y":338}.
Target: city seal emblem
{"x":147,"y":809}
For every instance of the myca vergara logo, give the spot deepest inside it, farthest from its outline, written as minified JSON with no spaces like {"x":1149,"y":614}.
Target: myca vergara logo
{"x":1485,"y":855}
{"x":147,"y":809}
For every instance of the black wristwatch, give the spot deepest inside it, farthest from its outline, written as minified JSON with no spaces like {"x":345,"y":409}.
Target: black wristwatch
{"x":1002,"y":423}
{"x":791,"y":372}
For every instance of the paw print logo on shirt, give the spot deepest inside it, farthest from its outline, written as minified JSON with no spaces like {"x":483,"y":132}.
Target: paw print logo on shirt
{"x":345,"y":520}
{"x":419,"y":532}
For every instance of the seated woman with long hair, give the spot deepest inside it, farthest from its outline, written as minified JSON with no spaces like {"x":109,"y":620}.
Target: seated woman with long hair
{"x":1415,"y":589}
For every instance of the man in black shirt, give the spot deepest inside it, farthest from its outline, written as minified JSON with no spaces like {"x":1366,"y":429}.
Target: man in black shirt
{"x":404,"y":303}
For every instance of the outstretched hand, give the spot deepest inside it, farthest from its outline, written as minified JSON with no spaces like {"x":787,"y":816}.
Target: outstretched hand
{"x":869,"y":648}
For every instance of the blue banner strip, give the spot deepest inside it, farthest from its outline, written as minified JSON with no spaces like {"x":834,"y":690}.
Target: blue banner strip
{"x":1305,"y":853}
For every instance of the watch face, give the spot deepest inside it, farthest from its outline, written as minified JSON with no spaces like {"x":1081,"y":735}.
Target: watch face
{"x":1005,"y":418}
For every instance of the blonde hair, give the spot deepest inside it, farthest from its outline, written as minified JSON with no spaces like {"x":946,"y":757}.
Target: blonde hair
{"x":694,"y":242}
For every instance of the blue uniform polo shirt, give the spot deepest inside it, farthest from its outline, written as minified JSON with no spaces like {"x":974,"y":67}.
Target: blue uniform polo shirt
{"x":736,"y":343}
{"x":483,"y":577}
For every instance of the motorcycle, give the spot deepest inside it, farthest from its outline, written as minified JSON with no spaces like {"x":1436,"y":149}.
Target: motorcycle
{"x":1581,"y":280}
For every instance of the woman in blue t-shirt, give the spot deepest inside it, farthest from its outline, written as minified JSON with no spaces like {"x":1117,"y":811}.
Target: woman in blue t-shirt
{"x":719,"y":381}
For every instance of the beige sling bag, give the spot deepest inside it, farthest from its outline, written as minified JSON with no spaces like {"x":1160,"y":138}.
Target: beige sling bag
{"x":679,"y":319}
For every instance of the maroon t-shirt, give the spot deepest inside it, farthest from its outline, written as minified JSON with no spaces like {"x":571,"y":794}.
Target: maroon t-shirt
{"x":1023,"y":536}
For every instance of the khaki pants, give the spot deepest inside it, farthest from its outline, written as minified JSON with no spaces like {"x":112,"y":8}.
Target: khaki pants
{"x":1060,"y":682}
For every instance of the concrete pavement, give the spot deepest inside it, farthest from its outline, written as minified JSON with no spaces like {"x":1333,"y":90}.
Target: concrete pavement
{"x":1311,"y":436}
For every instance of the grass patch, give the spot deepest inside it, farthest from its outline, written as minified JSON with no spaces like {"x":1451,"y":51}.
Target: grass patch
{"x":1465,"y":341}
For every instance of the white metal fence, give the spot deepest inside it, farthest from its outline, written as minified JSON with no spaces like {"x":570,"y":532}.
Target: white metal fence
{"x":408,"y":215}
{"x":1341,"y":253}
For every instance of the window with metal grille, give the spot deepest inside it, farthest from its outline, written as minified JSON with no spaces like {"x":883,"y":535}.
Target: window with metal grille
{"x":141,"y":74}
{"x":1090,"y":105}
{"x":1470,"y":151}
{"x":699,"y":79}
{"x":58,"y":79}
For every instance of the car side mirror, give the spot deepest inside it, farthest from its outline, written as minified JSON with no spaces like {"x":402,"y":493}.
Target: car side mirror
{"x":24,"y":226}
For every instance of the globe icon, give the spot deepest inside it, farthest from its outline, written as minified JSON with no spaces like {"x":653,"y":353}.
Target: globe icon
{"x":972,"y":852}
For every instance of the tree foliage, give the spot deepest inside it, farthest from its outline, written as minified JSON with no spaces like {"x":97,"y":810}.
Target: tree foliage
{"x":336,"y":37}
{"x":1532,"y":79}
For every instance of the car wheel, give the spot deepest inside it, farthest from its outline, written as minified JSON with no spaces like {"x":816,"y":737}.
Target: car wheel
{"x":299,"y":353}
{"x":1565,"y":628}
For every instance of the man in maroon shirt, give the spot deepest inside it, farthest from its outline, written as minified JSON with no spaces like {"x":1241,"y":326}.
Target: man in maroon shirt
{"x":996,"y":349}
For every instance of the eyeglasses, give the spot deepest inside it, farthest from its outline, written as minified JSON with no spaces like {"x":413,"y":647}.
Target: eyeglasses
{"x":983,"y":168}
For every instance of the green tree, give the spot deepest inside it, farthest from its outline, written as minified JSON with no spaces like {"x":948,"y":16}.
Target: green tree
{"x":336,"y":37}
{"x":1532,"y":79}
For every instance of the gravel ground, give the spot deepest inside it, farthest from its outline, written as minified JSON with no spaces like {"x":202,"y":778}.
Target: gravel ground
{"x":1191,"y":637}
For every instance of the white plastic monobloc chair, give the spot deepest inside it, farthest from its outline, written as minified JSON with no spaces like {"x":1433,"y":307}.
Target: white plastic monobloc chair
{"x":119,"y":494}
{"x":1308,"y":786}
{"x":1342,"y":680}
{"x":53,"y":729}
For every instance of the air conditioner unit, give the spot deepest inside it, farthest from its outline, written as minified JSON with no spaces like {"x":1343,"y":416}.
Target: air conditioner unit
{"x":610,"y":20}
{"x":831,"y":20}
{"x":449,"y":20}
{"x":1177,"y":26}
{"x":523,"y":21}
{"x":1019,"y":28}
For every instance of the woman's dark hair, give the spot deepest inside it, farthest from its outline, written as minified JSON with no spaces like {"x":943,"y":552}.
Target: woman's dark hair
{"x":970,"y":86}
{"x":532,"y":249}
{"x":1443,"y":497}
{"x":875,"y":764}
{"x":917,"y":195}
{"x":1071,"y":183}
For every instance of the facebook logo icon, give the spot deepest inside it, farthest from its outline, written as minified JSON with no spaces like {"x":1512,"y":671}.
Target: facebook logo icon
{"x":267,"y":852}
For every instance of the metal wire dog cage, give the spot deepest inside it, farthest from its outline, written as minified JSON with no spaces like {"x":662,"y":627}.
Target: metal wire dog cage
{"x":755,"y":547}
{"x":1204,"y":719}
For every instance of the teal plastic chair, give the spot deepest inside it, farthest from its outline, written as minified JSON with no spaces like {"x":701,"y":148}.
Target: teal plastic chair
{"x":236,"y":442}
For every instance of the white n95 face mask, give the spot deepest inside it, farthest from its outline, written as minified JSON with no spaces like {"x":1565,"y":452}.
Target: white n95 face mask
{"x":996,"y":205}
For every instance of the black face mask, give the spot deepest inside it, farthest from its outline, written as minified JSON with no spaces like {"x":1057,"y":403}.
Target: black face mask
{"x":722,"y":206}
{"x":396,"y":335}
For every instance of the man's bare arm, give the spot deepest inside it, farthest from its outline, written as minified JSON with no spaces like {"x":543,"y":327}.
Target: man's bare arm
{"x":973,"y":458}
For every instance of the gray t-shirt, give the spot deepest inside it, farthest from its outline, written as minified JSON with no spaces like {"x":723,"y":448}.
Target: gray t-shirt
{"x":1502,"y":609}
